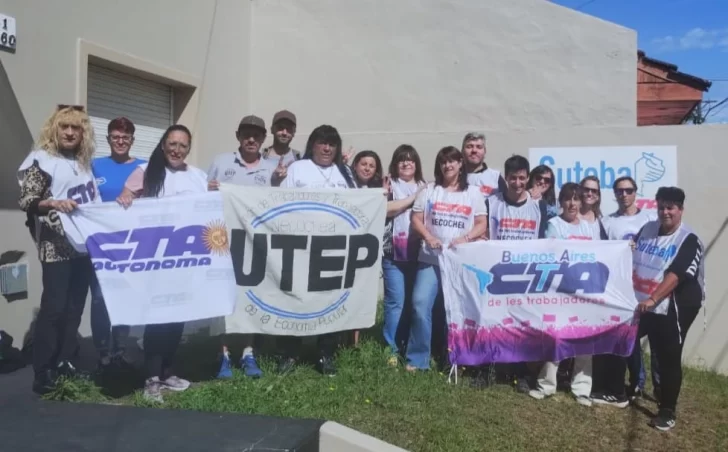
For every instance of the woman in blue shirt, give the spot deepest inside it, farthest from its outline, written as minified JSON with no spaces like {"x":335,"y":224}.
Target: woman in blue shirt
{"x":111,"y":172}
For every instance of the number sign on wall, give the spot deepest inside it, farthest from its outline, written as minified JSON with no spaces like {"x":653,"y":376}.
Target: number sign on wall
{"x":7,"y":33}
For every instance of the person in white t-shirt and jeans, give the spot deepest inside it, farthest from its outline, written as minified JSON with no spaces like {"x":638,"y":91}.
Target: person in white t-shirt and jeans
{"x":321,"y":167}
{"x":400,"y":248}
{"x":447,"y":213}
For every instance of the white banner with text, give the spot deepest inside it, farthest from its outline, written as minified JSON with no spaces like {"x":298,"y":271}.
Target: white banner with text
{"x":538,"y":300}
{"x":306,"y":262}
{"x":159,"y":261}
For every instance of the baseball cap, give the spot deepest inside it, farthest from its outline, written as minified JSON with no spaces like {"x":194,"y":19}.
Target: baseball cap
{"x":252,"y":121}
{"x":284,"y":114}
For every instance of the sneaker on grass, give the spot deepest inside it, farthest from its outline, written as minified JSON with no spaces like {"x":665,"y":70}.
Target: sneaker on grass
{"x":153,"y":390}
{"x":175,"y":383}
{"x":664,"y":421}
{"x":620,"y":401}
{"x":522,"y":385}
{"x":250,"y":366}
{"x":226,"y":368}
{"x":286,"y":365}
{"x":537,"y":394}
{"x":326,"y":366}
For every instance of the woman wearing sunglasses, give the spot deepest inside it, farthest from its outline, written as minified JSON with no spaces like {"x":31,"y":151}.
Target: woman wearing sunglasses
{"x":591,"y":200}
{"x":541,"y":186}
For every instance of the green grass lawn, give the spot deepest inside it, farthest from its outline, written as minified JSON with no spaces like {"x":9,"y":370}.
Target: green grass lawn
{"x":422,"y":412}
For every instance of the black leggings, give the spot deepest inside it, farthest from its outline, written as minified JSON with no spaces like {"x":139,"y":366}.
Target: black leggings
{"x":65,"y":286}
{"x":160,"y":345}
{"x":666,"y":334}
{"x":290,"y":346}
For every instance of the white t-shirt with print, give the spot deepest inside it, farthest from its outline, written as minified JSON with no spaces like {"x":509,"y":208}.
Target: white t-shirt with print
{"x":625,"y":227}
{"x":486,"y":181}
{"x":189,"y":180}
{"x":307,"y":174}
{"x":448,"y":215}
{"x":557,"y":228}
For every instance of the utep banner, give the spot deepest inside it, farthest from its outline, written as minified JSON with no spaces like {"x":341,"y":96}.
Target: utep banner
{"x":306,"y":261}
{"x":650,"y":166}
{"x":538,"y":300}
{"x":162,"y":260}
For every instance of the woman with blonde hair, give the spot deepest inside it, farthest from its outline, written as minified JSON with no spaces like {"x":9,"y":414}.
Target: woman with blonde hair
{"x":591,"y":201}
{"x":57,"y":177}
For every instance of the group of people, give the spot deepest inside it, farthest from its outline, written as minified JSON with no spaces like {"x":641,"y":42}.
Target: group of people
{"x":521,"y":204}
{"x":465,"y":201}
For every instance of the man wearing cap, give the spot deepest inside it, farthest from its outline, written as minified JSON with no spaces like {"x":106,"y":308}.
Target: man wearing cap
{"x":245,"y":166}
{"x":283,"y":129}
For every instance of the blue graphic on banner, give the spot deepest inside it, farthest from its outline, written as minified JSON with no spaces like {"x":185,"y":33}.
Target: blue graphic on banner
{"x":304,"y":206}
{"x":137,"y":250}
{"x":535,"y":274}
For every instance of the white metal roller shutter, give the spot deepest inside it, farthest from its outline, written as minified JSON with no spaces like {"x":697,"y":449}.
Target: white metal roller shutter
{"x":147,"y":104}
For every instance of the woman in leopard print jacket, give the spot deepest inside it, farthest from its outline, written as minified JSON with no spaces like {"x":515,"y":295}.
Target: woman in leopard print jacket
{"x":56,"y":177}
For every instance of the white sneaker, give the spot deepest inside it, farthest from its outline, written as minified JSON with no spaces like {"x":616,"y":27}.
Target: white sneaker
{"x":583,"y":400}
{"x":153,"y":390}
{"x":537,"y":394}
{"x":175,"y":383}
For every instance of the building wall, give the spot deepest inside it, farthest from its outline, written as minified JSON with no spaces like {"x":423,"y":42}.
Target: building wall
{"x":383,"y":72}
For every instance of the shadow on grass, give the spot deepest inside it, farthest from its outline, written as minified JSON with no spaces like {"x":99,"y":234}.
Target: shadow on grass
{"x":197,"y":360}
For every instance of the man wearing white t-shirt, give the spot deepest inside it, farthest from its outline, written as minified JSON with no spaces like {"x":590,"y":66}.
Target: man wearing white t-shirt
{"x":624,"y":224}
{"x":488,"y":180}
{"x":245,"y":167}
{"x":321,"y":167}
{"x":514,"y":215}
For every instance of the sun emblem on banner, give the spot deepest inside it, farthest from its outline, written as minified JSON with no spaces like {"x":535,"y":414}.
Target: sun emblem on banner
{"x":215,"y":238}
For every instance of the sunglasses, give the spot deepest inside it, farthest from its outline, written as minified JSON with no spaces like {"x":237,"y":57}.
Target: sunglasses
{"x":544,"y":179}
{"x":623,"y":191}
{"x":72,"y":107}
{"x":590,"y":190}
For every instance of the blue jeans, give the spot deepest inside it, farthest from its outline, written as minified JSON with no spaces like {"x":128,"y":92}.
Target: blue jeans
{"x":398,"y":282}
{"x":636,"y":366}
{"x":107,"y":340}
{"x":426,"y":295}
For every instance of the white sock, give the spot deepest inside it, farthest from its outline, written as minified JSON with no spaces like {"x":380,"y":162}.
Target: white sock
{"x":247,"y":351}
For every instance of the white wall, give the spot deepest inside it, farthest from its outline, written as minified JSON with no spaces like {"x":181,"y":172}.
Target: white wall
{"x":390,"y":72}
